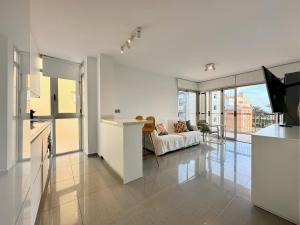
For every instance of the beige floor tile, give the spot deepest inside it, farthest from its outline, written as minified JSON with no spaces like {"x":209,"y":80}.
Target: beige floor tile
{"x":208,"y":184}
{"x":66,"y":214}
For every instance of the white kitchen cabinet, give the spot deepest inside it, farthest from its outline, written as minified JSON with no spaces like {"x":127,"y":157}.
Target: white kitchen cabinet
{"x":36,"y":194}
{"x":36,"y":156}
{"x":39,"y":165}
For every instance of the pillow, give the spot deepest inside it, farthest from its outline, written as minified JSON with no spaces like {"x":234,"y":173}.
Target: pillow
{"x":180,"y":127}
{"x":189,"y":125}
{"x":163,"y":133}
{"x":161,"y":129}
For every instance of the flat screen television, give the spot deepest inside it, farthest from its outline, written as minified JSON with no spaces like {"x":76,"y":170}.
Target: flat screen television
{"x":276,"y":91}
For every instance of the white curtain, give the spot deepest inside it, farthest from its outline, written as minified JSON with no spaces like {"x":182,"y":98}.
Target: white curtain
{"x":187,"y":85}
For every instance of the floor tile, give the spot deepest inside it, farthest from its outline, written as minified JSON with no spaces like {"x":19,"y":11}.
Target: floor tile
{"x":208,"y":184}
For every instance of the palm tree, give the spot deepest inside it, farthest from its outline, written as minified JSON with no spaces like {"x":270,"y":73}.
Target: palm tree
{"x":258,"y":112}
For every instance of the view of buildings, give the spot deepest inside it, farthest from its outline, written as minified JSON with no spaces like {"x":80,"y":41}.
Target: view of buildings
{"x":253,"y":111}
{"x":187,"y":106}
{"x":244,"y":113}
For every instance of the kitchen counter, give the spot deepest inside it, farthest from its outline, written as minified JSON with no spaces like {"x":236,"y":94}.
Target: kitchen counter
{"x":121,"y":122}
{"x":276,"y":131}
{"x":275,"y":171}
{"x":121,"y":147}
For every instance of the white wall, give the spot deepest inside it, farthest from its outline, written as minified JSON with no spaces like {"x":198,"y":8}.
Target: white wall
{"x":90,"y":105}
{"x":144,"y":93}
{"x":107,"y":85}
{"x":3,"y":101}
{"x":8,"y":125}
{"x":135,"y":92}
{"x":11,"y":119}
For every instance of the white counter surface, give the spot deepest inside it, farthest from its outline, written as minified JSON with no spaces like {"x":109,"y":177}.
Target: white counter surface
{"x":276,"y":131}
{"x":121,"y":122}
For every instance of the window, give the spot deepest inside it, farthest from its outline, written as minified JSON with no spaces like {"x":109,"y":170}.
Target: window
{"x":187,"y":106}
{"x":42,"y":105}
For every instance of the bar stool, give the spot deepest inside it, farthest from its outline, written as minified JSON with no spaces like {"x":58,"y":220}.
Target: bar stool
{"x":147,"y":130}
{"x":139,"y":117}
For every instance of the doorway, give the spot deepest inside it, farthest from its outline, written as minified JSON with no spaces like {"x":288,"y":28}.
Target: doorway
{"x":60,"y":102}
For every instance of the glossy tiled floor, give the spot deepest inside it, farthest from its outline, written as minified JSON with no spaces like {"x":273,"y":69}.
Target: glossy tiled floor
{"x":207,"y":184}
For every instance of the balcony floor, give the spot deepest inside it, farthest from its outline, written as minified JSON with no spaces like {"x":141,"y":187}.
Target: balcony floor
{"x":240,"y":137}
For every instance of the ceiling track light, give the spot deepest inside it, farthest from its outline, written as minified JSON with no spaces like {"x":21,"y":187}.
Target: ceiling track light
{"x":135,"y":34}
{"x":210,"y":66}
{"x":128,"y":44}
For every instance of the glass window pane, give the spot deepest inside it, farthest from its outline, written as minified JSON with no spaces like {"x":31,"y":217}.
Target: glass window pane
{"x":216,"y":107}
{"x":229,"y":107}
{"x":26,"y":140}
{"x":192,"y":112}
{"x":182,"y":99}
{"x":253,"y":110}
{"x":187,"y":106}
{"x":66,"y":96}
{"x":15,"y":91}
{"x":67,"y":135}
{"x":42,"y":104}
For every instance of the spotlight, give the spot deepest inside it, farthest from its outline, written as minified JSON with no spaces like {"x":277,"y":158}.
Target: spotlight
{"x":128,"y":44}
{"x":210,"y":66}
{"x":135,"y":34}
{"x":138,"y":32}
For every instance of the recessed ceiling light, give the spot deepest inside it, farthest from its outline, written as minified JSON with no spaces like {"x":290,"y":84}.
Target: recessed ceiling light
{"x":210,"y":66}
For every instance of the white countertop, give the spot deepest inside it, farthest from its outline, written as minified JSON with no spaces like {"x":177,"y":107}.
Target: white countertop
{"x":38,"y":128}
{"x":276,"y":131}
{"x":122,"y":122}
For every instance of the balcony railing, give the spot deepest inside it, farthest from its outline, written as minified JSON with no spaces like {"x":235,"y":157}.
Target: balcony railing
{"x":263,"y":120}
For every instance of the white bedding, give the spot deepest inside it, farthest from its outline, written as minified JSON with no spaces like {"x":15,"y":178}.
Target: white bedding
{"x":167,"y":143}
{"x":191,"y":137}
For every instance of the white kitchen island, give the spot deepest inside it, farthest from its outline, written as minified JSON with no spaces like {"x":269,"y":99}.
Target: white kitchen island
{"x":275,"y":170}
{"x":122,"y":148}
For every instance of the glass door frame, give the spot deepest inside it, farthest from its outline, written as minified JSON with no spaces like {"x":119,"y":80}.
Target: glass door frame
{"x":234,"y":112}
{"x":56,"y":115}
{"x":208,"y":110}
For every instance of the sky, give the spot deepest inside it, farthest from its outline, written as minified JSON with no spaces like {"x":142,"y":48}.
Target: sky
{"x":258,"y":96}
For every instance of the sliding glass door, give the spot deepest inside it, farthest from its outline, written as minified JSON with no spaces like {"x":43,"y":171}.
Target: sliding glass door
{"x":242,"y":110}
{"x":215,"y":111}
{"x":229,"y":112}
{"x":187,"y":106}
{"x":67,"y":117}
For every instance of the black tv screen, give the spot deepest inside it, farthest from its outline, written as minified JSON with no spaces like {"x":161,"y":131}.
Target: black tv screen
{"x":276,"y":91}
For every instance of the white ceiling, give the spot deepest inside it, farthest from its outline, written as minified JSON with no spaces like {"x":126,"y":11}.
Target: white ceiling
{"x":179,"y":37}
